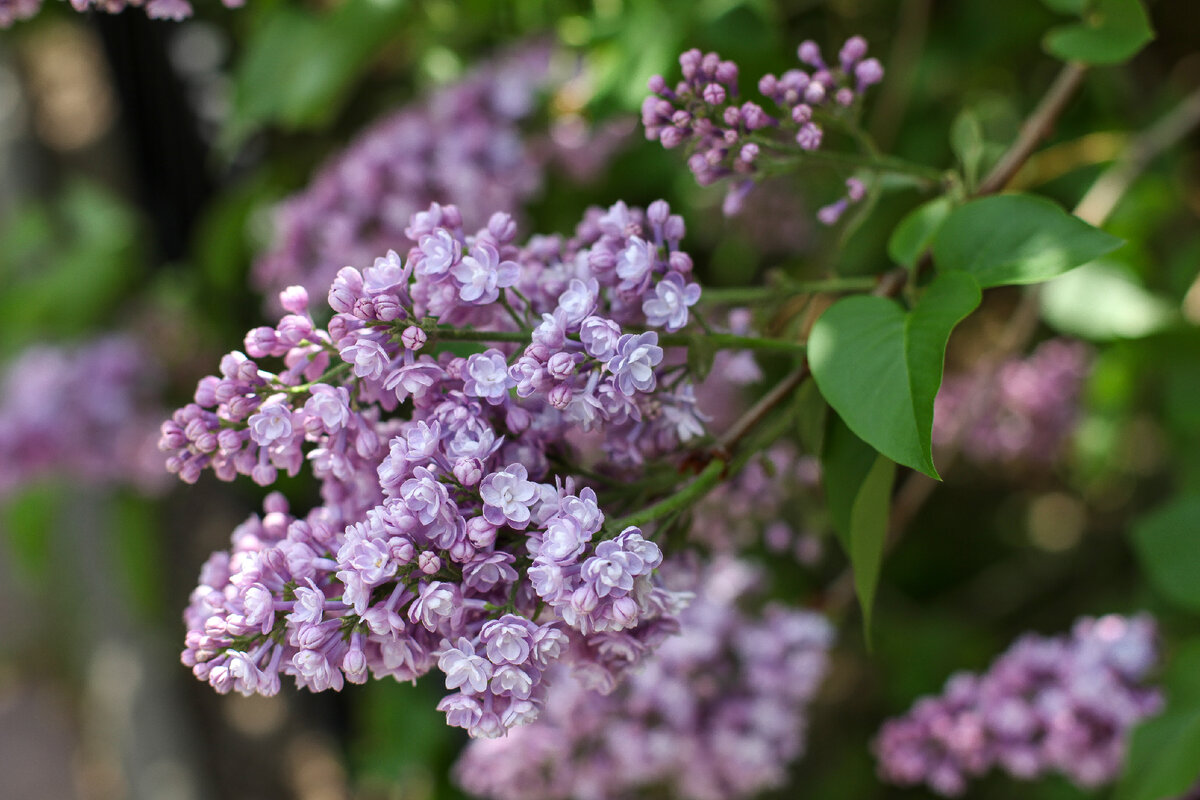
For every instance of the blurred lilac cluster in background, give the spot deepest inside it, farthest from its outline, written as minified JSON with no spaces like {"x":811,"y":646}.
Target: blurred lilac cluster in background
{"x":1024,"y":410}
{"x":1063,"y":704}
{"x":461,"y":145}
{"x":87,"y":412}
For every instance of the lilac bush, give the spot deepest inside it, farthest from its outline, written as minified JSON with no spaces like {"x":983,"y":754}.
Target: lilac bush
{"x":538,"y":473}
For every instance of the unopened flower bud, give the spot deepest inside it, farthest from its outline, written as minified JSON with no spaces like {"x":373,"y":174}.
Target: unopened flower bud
{"x":413,"y":338}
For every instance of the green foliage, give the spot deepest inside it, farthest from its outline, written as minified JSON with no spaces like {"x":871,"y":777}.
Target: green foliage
{"x":915,"y":233}
{"x":299,"y":66}
{"x":1110,"y":32}
{"x":1168,"y":545}
{"x":1165,"y":750}
{"x":880,"y":367}
{"x":858,"y":488}
{"x":65,"y":265}
{"x":1016,"y":238}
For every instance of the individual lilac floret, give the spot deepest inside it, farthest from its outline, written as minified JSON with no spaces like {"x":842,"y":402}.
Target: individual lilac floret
{"x":634,"y":361}
{"x":724,"y":137}
{"x":487,"y":376}
{"x":482,"y":274}
{"x":1064,"y":705}
{"x":669,"y":307}
{"x":856,"y":190}
{"x":717,"y":713}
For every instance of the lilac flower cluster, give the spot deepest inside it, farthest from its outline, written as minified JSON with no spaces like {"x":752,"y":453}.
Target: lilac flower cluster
{"x":1063,"y":704}
{"x":13,"y":10}
{"x":87,"y":412}
{"x":462,"y":143}
{"x":717,"y":712}
{"x":726,"y":137}
{"x":1022,"y":411}
{"x":440,"y":539}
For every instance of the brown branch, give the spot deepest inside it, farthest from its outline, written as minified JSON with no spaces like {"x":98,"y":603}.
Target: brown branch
{"x":1036,"y":128}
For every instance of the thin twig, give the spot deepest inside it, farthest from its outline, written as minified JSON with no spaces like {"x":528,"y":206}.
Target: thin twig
{"x":1036,"y":128}
{"x":743,"y":424}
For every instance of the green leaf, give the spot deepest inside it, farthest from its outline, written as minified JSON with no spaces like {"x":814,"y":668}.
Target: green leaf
{"x":1163,"y":756}
{"x":298,"y":66}
{"x":913,"y":235}
{"x":1102,"y":301}
{"x":1076,"y":7}
{"x":880,"y":368}
{"x":1016,"y":238}
{"x":858,"y":488}
{"x":1167,"y":542}
{"x":812,"y":413}
{"x":700,"y":355}
{"x":966,"y":140}
{"x":1111,"y":32}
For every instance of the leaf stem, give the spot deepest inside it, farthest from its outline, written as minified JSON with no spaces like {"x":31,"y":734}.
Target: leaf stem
{"x":709,"y":477}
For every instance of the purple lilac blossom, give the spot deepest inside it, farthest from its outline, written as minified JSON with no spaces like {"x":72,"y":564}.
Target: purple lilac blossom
{"x":13,"y":10}
{"x":1064,"y":704}
{"x":1022,"y":411}
{"x":717,"y":712}
{"x":86,"y":412}
{"x":441,"y":516}
{"x":705,"y":114}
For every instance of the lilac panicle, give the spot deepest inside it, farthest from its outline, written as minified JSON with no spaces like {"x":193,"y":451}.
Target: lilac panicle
{"x":705,"y":114}
{"x":444,"y":539}
{"x":1063,"y":704}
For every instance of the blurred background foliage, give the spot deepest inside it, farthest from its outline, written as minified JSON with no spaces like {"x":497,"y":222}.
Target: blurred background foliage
{"x":139,"y":164}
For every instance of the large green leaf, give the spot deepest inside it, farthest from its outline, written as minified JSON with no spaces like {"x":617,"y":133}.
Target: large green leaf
{"x":1016,"y":238}
{"x":1168,"y":546}
{"x":858,"y":488}
{"x":1111,"y":31}
{"x":913,"y":235}
{"x":1164,"y":757}
{"x":880,"y":368}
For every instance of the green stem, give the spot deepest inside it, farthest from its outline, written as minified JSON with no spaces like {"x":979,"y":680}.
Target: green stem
{"x":330,"y":373}
{"x":783,"y":286}
{"x":871,"y":161}
{"x":700,"y":486}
